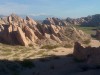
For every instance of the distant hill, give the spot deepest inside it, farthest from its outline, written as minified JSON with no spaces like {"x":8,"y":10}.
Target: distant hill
{"x":93,"y":20}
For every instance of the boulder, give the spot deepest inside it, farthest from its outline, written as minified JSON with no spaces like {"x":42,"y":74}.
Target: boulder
{"x":90,"y":55}
{"x":79,"y":52}
{"x":98,"y":34}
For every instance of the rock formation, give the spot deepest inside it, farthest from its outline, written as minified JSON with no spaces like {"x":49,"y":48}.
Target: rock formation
{"x":77,"y":21}
{"x":93,"y":20}
{"x":15,"y":30}
{"x":54,"y":21}
{"x":97,"y":34}
{"x":91,"y":55}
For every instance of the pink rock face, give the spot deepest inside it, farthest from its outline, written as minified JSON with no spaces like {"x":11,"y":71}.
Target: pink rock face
{"x":15,"y":30}
{"x":21,"y":37}
{"x":29,"y":33}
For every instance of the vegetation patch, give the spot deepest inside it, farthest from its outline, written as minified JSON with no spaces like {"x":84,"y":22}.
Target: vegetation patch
{"x":68,"y":46}
{"x":45,"y":55}
{"x":89,"y":30}
{"x":40,"y":52}
{"x":49,"y":47}
{"x":87,"y":41}
{"x":30,"y":45}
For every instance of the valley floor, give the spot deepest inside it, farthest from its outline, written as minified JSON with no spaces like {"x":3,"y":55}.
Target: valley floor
{"x":19,"y":60}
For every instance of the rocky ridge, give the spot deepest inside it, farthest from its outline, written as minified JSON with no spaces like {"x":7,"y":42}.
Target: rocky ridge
{"x":15,"y":30}
{"x":93,"y":20}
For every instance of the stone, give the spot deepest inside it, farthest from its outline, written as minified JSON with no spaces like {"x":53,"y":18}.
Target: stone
{"x":97,"y":34}
{"x":90,"y":55}
{"x":21,"y":37}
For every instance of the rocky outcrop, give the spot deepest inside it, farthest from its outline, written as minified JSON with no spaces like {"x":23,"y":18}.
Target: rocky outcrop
{"x":54,"y":21}
{"x":30,"y":21}
{"x":15,"y":30}
{"x":91,"y":55}
{"x":21,"y":37}
{"x":97,"y":34}
{"x":93,"y":20}
{"x":77,"y":21}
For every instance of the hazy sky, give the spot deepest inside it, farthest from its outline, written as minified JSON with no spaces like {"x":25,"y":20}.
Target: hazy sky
{"x":60,"y":8}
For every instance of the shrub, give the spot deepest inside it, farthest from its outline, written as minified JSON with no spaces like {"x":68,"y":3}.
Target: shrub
{"x":49,"y":47}
{"x":40,"y":52}
{"x":68,"y":46}
{"x":30,"y":45}
{"x":87,"y":41}
{"x":45,"y":55}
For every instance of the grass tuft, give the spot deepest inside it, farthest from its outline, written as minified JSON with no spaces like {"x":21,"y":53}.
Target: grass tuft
{"x":68,"y":46}
{"x":49,"y":47}
{"x":87,"y":41}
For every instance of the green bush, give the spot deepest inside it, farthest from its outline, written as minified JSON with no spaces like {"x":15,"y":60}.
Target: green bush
{"x":49,"y":47}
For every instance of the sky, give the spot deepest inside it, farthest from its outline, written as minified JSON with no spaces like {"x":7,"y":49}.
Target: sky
{"x":59,"y":8}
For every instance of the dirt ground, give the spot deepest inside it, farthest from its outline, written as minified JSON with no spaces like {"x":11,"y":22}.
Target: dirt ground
{"x":17,"y":60}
